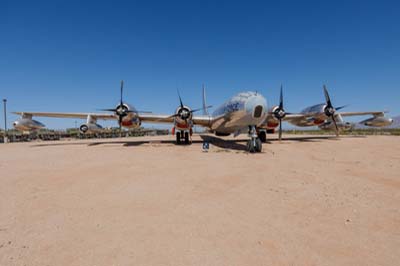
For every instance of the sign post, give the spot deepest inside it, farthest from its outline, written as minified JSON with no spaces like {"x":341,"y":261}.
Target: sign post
{"x":5,"y":121}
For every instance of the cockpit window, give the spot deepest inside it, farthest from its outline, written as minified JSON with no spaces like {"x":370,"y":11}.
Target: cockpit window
{"x":258,"y":111}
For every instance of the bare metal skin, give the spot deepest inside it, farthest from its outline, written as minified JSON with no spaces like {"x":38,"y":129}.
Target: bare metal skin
{"x":246,"y":112}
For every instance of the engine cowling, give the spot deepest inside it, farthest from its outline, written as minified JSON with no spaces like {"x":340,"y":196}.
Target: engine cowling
{"x":378,"y":121}
{"x":183,"y":117}
{"x":278,"y":113}
{"x":131,"y":123}
{"x":123,"y":109}
{"x":90,"y":128}
{"x":27,"y":124}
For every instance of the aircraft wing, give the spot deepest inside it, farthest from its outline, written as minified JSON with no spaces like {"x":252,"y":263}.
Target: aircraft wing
{"x":306,"y":119}
{"x":202,"y":120}
{"x":288,"y":118}
{"x":291,"y":116}
{"x":294,"y":116}
{"x":104,"y":116}
{"x":378,"y":113}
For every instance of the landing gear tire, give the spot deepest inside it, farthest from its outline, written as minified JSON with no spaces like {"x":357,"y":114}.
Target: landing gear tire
{"x":258,"y":145}
{"x":178,"y":138}
{"x":254,"y":145}
{"x":250,"y":146}
{"x":187,"y":138}
{"x":262,"y":136}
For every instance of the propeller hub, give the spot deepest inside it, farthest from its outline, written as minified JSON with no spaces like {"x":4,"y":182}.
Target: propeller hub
{"x":329,"y":111}
{"x":279,"y":113}
{"x":121,"y":110}
{"x":184,"y":113}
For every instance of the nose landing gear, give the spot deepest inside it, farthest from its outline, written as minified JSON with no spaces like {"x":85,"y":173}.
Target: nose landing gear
{"x":254,"y":143}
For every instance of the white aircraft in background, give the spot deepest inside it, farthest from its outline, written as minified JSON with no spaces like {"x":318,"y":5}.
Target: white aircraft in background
{"x":246,"y":112}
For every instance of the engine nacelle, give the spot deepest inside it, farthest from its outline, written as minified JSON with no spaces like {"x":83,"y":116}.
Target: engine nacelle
{"x":90,"y":128}
{"x":124,"y":109}
{"x":378,"y":121}
{"x":27,"y":124}
{"x":183,"y":118}
{"x":131,"y":123}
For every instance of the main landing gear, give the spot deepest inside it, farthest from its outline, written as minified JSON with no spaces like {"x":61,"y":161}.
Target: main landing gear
{"x":262,"y":135}
{"x":182,"y":137}
{"x":254,"y":143}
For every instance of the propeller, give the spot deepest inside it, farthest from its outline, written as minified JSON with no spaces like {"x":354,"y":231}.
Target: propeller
{"x":330,"y":110}
{"x":184,"y":113}
{"x":280,"y":113}
{"x":121,"y":110}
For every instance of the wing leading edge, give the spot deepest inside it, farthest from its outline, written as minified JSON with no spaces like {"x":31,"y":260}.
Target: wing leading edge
{"x":103,"y":116}
{"x":201,"y":120}
{"x":293,"y":116}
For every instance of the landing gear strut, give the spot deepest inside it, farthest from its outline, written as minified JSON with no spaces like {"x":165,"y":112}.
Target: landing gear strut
{"x":186,"y":138}
{"x":254,"y":143}
{"x":182,"y":137}
{"x":178,"y":138}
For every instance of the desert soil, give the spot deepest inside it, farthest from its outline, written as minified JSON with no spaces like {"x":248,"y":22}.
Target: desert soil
{"x":145,"y":201}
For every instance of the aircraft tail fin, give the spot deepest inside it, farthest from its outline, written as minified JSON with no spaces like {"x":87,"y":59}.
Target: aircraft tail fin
{"x":205,"y":110}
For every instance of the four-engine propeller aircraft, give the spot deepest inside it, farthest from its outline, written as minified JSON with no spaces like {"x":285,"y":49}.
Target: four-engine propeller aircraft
{"x":246,"y":112}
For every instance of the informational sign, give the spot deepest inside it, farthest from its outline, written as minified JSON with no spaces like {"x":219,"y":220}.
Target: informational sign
{"x":206,"y":146}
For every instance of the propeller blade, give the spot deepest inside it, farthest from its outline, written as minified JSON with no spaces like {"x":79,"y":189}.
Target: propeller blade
{"x":341,"y":107}
{"x":122,"y":89}
{"x":281,"y":114}
{"x":180,"y":99}
{"x":120,"y":126}
{"x":333,"y":110}
{"x":336,"y":126}
{"x":174,"y":115}
{"x":138,"y":111}
{"x":327,"y":98}
{"x":127,"y":111}
{"x":108,"y":110}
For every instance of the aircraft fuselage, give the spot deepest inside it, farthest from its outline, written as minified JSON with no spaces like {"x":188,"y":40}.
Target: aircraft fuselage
{"x":239,"y":112}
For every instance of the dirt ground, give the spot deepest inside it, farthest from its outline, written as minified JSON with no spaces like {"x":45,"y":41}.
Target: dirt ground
{"x":145,"y":201}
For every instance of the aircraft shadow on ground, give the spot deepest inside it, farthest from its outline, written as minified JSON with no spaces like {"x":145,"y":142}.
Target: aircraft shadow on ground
{"x":126,"y":143}
{"x":224,"y":143}
{"x":234,"y":144}
{"x":319,"y":138}
{"x":304,"y":138}
{"x":241,"y":144}
{"x":57,"y":144}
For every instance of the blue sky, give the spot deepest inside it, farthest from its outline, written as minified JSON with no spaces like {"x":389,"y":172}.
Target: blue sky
{"x":70,"y":55}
